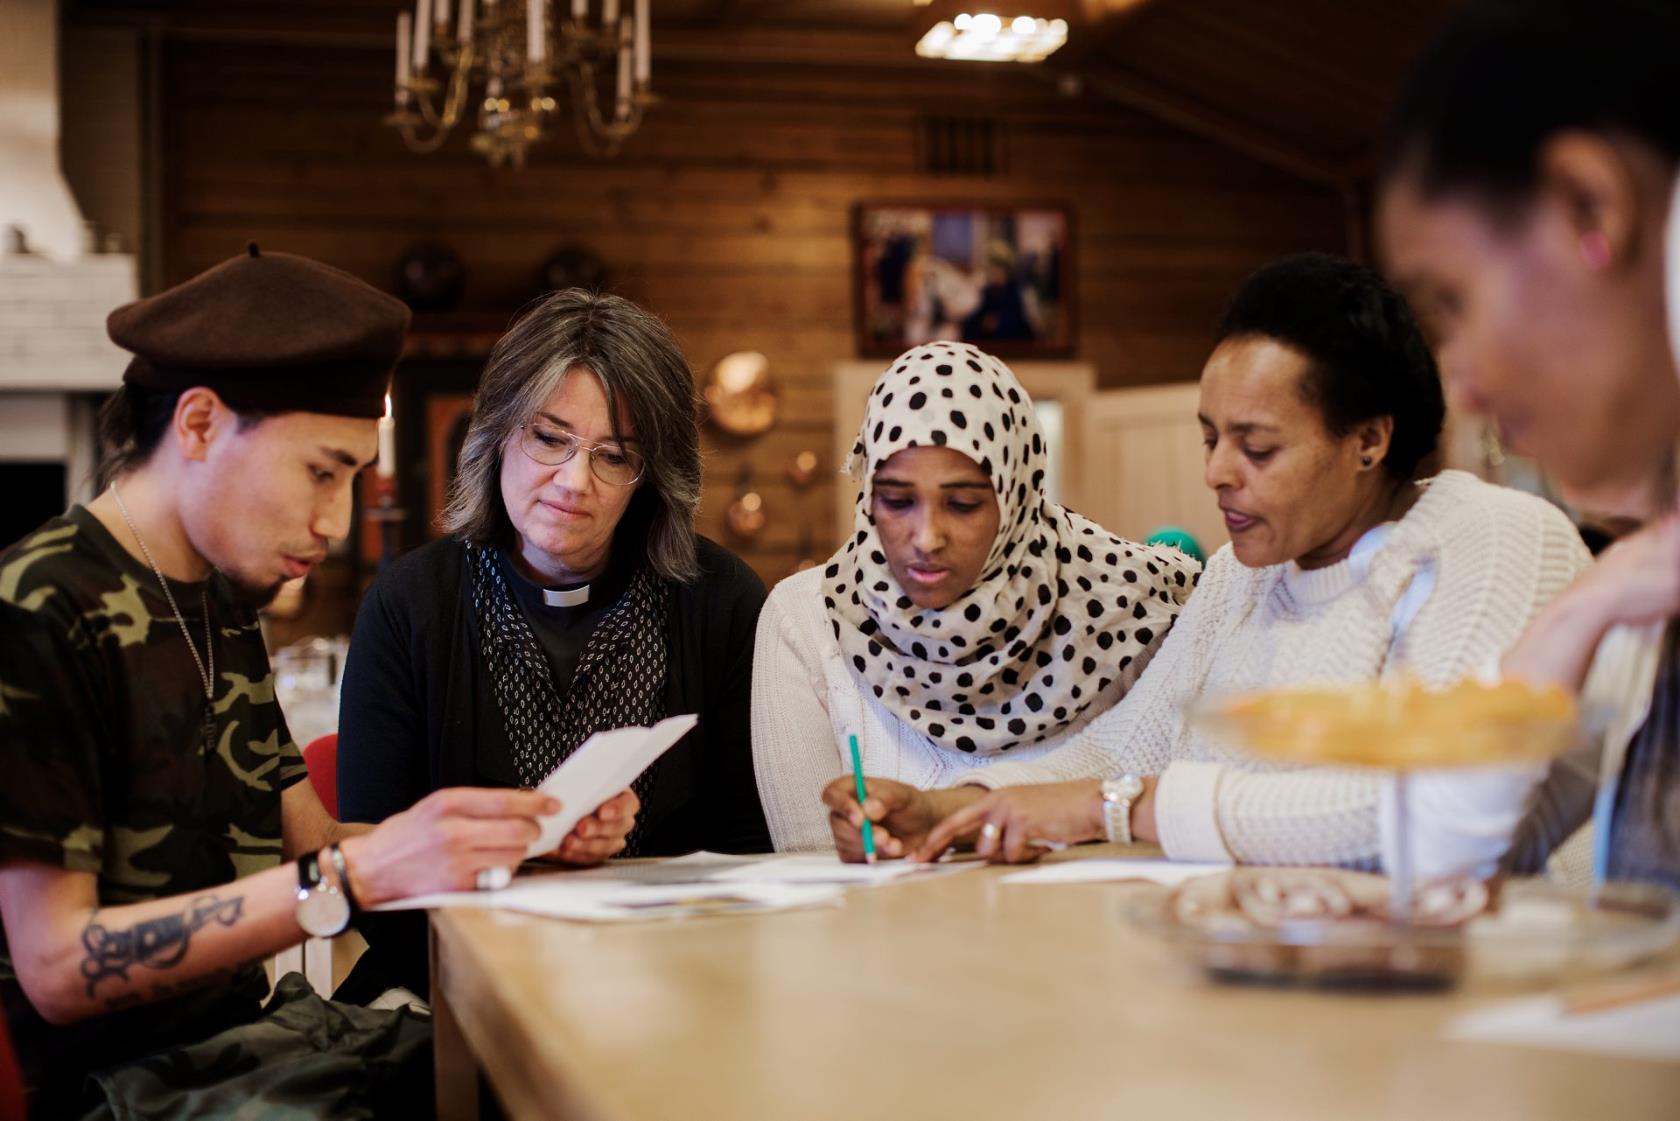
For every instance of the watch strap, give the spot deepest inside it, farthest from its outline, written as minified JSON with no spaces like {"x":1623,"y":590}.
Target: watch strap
{"x":1117,"y":819}
{"x":342,"y":867}
{"x":1119,"y":794}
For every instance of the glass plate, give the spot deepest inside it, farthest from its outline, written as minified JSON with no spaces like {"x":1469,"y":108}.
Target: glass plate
{"x":1394,"y":725}
{"x":1536,"y":933}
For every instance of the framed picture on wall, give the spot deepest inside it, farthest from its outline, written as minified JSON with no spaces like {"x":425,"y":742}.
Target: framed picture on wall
{"x":998,"y":276}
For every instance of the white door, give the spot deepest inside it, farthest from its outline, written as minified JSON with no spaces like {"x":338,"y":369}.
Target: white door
{"x":1142,"y":464}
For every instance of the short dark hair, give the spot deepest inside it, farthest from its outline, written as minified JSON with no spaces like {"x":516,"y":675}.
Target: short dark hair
{"x":1366,"y":356}
{"x":132,"y":422}
{"x":1505,"y":75}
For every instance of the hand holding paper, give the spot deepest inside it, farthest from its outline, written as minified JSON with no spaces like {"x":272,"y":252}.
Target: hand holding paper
{"x":600,"y":835}
{"x":607,"y":763}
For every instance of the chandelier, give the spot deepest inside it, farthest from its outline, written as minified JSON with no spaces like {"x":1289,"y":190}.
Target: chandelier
{"x":506,"y":59}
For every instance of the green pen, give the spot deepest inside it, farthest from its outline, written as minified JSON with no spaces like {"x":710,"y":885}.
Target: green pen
{"x":862,"y":795}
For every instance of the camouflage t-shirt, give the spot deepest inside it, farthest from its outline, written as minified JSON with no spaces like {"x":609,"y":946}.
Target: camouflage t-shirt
{"x":105,"y":767}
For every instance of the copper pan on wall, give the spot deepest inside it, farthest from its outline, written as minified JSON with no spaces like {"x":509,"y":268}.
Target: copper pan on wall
{"x":739,"y":396}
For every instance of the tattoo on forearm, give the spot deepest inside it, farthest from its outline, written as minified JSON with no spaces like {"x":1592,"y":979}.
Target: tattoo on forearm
{"x":163,"y":990}
{"x":158,"y":943}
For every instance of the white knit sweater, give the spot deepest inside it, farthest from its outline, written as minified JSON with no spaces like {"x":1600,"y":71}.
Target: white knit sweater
{"x":1498,"y":556}
{"x":806,"y":702}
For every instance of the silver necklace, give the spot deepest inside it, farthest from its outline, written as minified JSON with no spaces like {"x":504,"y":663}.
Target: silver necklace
{"x":206,"y":675}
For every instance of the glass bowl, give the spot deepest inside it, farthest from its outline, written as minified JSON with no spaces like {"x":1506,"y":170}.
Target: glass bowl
{"x":1532,"y":932}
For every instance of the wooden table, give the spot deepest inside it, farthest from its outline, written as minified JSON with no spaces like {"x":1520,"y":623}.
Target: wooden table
{"x":956,"y":997}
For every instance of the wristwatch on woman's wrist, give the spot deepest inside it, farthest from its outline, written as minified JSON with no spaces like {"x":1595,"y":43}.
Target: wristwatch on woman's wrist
{"x":1119,"y":794}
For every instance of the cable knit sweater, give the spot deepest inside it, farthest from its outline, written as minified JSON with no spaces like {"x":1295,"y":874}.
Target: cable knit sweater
{"x":806,"y":701}
{"x":1498,"y":556}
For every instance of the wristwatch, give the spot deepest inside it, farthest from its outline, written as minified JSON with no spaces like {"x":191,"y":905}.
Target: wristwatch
{"x":1118,"y":795}
{"x":322,"y":910}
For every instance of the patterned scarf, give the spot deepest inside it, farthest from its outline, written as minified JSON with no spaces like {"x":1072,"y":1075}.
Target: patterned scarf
{"x":619,"y":682}
{"x":1065,"y":613}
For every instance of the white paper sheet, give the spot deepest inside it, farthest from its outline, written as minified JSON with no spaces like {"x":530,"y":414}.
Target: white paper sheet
{"x":821,"y":868}
{"x":605,"y":764}
{"x":575,"y":897}
{"x":1168,"y":873}
{"x":1646,"y":1030}
{"x":699,"y":883}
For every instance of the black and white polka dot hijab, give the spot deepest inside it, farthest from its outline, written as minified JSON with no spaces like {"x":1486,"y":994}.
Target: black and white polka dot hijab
{"x":1064,"y":612}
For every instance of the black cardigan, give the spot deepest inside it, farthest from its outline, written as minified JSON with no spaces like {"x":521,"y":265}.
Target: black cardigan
{"x":407,"y":715}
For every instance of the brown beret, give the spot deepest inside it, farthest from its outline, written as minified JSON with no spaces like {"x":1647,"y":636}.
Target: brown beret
{"x":267,"y":331}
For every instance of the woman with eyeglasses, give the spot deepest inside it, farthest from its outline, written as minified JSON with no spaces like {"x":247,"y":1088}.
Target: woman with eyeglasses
{"x":570,"y":595}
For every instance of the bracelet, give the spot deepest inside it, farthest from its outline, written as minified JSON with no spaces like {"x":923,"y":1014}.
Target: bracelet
{"x":342,"y":867}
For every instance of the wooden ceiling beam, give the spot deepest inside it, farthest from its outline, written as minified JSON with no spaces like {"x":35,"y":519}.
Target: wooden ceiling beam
{"x":1124,"y":89}
{"x":337,"y":26}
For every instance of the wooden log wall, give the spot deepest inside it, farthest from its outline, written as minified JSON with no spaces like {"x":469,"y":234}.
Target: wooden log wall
{"x":729,"y":214}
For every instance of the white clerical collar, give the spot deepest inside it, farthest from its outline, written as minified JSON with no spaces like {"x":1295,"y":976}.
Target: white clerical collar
{"x":566,"y":597}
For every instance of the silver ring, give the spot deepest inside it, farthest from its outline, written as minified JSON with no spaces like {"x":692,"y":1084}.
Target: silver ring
{"x":493,"y":879}
{"x":990,"y":831}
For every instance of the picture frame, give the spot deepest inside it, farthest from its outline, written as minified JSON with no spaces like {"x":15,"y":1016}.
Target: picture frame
{"x":997,"y":275}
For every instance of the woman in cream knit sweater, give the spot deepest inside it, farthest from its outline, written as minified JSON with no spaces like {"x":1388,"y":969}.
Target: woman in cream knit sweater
{"x":1317,"y":406}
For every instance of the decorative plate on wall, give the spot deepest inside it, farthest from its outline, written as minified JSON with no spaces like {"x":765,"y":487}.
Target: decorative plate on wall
{"x":739,"y":396}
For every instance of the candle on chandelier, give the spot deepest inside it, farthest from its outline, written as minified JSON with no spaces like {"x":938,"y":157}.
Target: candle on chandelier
{"x":609,"y":14}
{"x":422,"y":33}
{"x":644,"y":51}
{"x":387,"y":466}
{"x":402,"y":57}
{"x":464,"y":22}
{"x":623,"y":103}
{"x":580,"y":10}
{"x":536,"y":42}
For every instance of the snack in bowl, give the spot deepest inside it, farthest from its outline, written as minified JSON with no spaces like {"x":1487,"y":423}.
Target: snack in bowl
{"x":1322,"y":925}
{"x":1399,"y":725}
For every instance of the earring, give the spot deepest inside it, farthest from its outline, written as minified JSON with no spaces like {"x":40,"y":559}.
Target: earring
{"x":1366,"y":460}
{"x":1595,"y":250}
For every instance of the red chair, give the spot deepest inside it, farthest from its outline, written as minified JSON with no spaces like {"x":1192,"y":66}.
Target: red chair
{"x":12,"y":1106}
{"x":314,"y":958}
{"x":321,"y":757}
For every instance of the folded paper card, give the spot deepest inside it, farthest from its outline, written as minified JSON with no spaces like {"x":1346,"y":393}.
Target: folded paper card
{"x":607,"y":763}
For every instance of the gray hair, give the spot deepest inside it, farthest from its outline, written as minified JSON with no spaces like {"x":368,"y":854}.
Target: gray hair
{"x":645,"y":376}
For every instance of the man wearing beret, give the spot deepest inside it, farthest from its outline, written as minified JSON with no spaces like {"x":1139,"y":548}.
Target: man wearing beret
{"x":157,"y":840}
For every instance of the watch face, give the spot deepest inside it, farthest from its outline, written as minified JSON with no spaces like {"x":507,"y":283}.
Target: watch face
{"x":323,"y":912}
{"x":1130,"y":786}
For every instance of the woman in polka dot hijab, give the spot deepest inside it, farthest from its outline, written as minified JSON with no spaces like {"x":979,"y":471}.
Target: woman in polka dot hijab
{"x":1064,"y":614}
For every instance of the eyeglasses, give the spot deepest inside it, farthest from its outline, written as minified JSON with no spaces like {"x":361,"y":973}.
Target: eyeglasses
{"x":551,"y":446}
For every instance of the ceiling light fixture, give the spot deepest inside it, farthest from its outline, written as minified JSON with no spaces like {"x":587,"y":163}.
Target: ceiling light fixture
{"x":1013,"y":31}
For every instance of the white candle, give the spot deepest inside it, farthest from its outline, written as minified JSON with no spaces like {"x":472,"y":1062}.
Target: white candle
{"x":580,"y":10}
{"x":422,"y":33}
{"x":387,"y":465}
{"x":644,"y":45}
{"x":464,"y":22}
{"x":624,"y":68}
{"x":402,"y":57}
{"x":536,"y":42}
{"x":609,"y":13}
